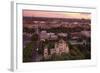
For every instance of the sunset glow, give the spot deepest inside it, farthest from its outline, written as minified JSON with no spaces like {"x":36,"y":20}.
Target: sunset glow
{"x":56,"y":36}
{"x":52,"y":14}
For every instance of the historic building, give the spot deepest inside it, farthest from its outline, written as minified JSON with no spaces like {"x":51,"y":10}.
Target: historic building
{"x":60,"y":47}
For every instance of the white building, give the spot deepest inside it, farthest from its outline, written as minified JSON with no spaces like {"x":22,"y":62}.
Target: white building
{"x":45,"y":52}
{"x":61,"y":47}
{"x":44,"y":35}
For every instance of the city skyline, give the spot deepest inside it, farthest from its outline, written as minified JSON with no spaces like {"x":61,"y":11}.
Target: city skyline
{"x":56,"y":36}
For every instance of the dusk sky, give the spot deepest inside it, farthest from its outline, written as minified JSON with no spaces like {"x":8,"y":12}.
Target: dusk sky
{"x":52,"y":14}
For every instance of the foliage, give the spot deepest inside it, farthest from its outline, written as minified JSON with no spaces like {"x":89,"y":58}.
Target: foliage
{"x":27,"y":53}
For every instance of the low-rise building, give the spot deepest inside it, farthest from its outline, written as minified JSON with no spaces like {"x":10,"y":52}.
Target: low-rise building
{"x":60,"y":47}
